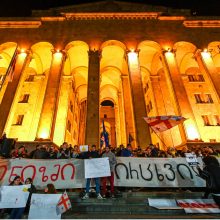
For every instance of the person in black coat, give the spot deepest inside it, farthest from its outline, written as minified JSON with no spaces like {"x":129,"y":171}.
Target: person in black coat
{"x":41,"y":153}
{"x":211,"y":174}
{"x":31,"y":190}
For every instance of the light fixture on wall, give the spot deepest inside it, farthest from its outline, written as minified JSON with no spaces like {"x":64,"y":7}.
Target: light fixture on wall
{"x":169,"y":50}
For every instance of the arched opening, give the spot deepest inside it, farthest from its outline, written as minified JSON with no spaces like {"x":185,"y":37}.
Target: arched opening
{"x":107,"y":117}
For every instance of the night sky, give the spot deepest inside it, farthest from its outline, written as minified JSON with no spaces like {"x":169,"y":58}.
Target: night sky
{"x":22,"y":8}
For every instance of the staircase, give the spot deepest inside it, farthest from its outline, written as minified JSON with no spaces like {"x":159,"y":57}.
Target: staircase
{"x":130,"y":205}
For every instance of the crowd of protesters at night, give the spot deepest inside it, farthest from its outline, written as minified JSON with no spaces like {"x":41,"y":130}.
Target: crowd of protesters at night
{"x":67,"y":151}
{"x":42,"y":150}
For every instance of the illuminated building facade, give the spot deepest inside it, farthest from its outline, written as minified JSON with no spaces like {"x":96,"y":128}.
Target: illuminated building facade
{"x":66,"y":69}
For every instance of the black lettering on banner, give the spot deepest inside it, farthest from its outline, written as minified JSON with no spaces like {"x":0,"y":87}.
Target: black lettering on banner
{"x":178,"y":170}
{"x":171,"y":170}
{"x":133,"y":171}
{"x":151,"y":174}
{"x":116,"y":172}
{"x":160,"y":177}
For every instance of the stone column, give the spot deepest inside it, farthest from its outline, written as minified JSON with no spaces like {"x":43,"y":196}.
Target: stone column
{"x":121,"y":117}
{"x":178,"y":95}
{"x":49,"y":108}
{"x":62,"y":109}
{"x":158,"y":100}
{"x":139,"y":107}
{"x":206,"y":65}
{"x":128,"y":111}
{"x":113,"y":133}
{"x":93,"y":96}
{"x":118,"y":126}
{"x":19,"y":62}
{"x":82,"y":123}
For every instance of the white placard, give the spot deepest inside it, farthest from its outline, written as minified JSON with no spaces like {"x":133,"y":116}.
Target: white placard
{"x":44,"y":206}
{"x":14,"y":196}
{"x":83,"y":148}
{"x":191,"y":159}
{"x":164,"y":203}
{"x":199,"y":205}
{"x":97,"y":167}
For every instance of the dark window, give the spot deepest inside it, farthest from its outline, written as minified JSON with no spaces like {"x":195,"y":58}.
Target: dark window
{"x":198,"y":98}
{"x":19,"y":119}
{"x":105,"y":116}
{"x":107,"y":103}
{"x":71,"y":106}
{"x":24,"y":98}
{"x":191,"y":78}
{"x":150,"y":105}
{"x":200,"y":78}
{"x":217,"y":119}
{"x":206,"y":120}
{"x":209,"y":98}
{"x":196,"y":78}
{"x":30,"y":78}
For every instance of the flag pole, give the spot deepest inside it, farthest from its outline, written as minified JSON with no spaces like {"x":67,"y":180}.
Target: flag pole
{"x":159,"y":137}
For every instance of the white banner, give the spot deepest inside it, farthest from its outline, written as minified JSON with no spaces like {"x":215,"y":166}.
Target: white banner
{"x":131,"y":172}
{"x":199,"y":205}
{"x":14,"y":196}
{"x":63,"y":173}
{"x":44,"y":206}
{"x":97,"y":167}
{"x":156,"y":172}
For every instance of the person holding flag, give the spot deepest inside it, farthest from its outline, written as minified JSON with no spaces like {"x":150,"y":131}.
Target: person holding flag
{"x":104,"y":141}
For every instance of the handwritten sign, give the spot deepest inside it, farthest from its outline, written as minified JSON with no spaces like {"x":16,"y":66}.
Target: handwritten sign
{"x":191,"y":159}
{"x":97,"y":167}
{"x":14,"y":196}
{"x":44,"y":206}
{"x":83,"y":148}
{"x":131,"y":172}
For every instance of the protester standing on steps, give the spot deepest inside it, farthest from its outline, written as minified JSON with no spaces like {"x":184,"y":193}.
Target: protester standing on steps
{"x":211,"y":173}
{"x":89,"y":155}
{"x":112,"y":163}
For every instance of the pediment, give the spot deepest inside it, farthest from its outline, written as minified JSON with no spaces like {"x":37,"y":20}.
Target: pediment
{"x":103,"y":6}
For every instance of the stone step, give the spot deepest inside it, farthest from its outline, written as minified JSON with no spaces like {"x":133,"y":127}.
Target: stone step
{"x":130,"y":205}
{"x":137,"y":216}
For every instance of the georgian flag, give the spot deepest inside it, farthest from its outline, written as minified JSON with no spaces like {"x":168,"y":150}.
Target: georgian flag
{"x":163,"y":123}
{"x":64,"y":204}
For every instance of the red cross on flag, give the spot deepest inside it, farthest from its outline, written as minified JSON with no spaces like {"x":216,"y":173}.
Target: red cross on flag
{"x":64,"y":204}
{"x":163,"y":123}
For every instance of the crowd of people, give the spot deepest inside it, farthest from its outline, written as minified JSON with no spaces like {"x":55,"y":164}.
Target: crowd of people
{"x":67,"y":151}
{"x":211,"y":172}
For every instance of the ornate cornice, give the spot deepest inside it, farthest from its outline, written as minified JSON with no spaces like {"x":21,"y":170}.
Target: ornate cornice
{"x":111,"y":16}
{"x":20,"y":24}
{"x":202,"y":23}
